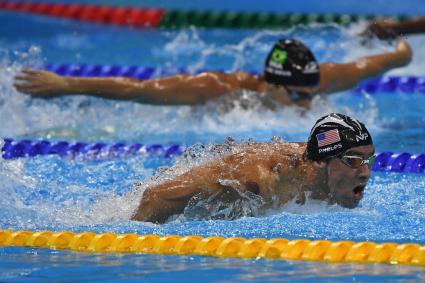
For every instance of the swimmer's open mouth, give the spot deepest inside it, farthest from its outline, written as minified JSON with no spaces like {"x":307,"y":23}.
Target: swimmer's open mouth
{"x":358,"y":191}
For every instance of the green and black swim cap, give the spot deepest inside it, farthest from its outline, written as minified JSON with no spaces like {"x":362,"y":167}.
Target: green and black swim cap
{"x":334,"y":134}
{"x":292,"y":63}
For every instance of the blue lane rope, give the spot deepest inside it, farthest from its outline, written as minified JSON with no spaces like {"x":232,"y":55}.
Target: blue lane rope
{"x":381,"y":84}
{"x":385,"y":161}
{"x":26,"y":148}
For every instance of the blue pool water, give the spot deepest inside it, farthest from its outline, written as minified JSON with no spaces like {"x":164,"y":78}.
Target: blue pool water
{"x":51,"y":193}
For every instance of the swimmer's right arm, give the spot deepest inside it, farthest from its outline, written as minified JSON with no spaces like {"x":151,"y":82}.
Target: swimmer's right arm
{"x":161,"y":201}
{"x":174,"y":90}
{"x":339,"y":77}
{"x":171,"y":197}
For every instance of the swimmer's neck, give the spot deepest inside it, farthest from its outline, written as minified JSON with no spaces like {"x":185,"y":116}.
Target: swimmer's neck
{"x":315,"y":183}
{"x":281,"y":94}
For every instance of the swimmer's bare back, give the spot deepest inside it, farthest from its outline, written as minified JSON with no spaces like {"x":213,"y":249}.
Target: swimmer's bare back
{"x":270,"y":170}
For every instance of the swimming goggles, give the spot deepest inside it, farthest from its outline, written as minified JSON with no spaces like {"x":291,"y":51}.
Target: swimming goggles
{"x":357,"y":161}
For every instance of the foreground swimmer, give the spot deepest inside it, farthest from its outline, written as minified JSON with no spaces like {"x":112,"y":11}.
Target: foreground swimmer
{"x":333,"y":166}
{"x":291,"y":76}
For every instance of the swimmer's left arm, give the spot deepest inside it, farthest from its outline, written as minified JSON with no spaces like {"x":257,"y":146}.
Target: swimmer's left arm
{"x":339,"y":77}
{"x":247,"y":172}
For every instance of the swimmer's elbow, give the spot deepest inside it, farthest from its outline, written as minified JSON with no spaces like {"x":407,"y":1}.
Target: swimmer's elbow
{"x":149,"y":209}
{"x":143,"y":217}
{"x":147,"y":218}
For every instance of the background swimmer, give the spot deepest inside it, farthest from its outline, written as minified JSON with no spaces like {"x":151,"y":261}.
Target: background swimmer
{"x":333,"y":166}
{"x":291,"y":76}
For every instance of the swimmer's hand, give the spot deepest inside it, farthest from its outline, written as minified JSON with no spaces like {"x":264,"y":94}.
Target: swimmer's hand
{"x":383,"y":29}
{"x":404,"y":52}
{"x":40,"y":83}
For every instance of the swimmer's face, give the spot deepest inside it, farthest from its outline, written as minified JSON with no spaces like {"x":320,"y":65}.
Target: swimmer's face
{"x":287,"y":94}
{"x":346,"y":184}
{"x":303,"y":89}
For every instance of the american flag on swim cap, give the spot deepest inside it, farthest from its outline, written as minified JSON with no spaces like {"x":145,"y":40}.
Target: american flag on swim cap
{"x":328,"y":137}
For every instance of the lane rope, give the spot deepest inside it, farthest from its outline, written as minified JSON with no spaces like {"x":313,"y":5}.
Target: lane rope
{"x":26,"y":148}
{"x":154,"y":17}
{"x":122,"y":16}
{"x":387,"y":84}
{"x":385,"y":161}
{"x":234,"y":247}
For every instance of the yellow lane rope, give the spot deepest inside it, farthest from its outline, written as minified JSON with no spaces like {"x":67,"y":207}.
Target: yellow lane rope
{"x":320,"y":250}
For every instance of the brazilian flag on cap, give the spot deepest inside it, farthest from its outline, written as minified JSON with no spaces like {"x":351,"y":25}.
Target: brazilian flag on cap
{"x":279,"y":56}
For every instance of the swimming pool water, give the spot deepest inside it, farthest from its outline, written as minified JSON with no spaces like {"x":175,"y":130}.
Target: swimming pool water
{"x":51,"y":193}
{"x":42,"y":266}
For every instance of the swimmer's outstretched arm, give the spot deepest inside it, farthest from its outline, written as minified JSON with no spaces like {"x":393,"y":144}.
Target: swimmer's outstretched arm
{"x":161,"y":201}
{"x":174,"y":90}
{"x":338,"y":77}
{"x":389,"y":28}
{"x":248,"y":171}
{"x":171,"y":197}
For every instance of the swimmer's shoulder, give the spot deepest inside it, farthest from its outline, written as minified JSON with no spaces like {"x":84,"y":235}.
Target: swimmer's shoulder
{"x":281,"y":146}
{"x":237,"y":79}
{"x":287,"y":153}
{"x":288,"y":147}
{"x":289,"y":158}
{"x":247,"y":80}
{"x":276,"y":151}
